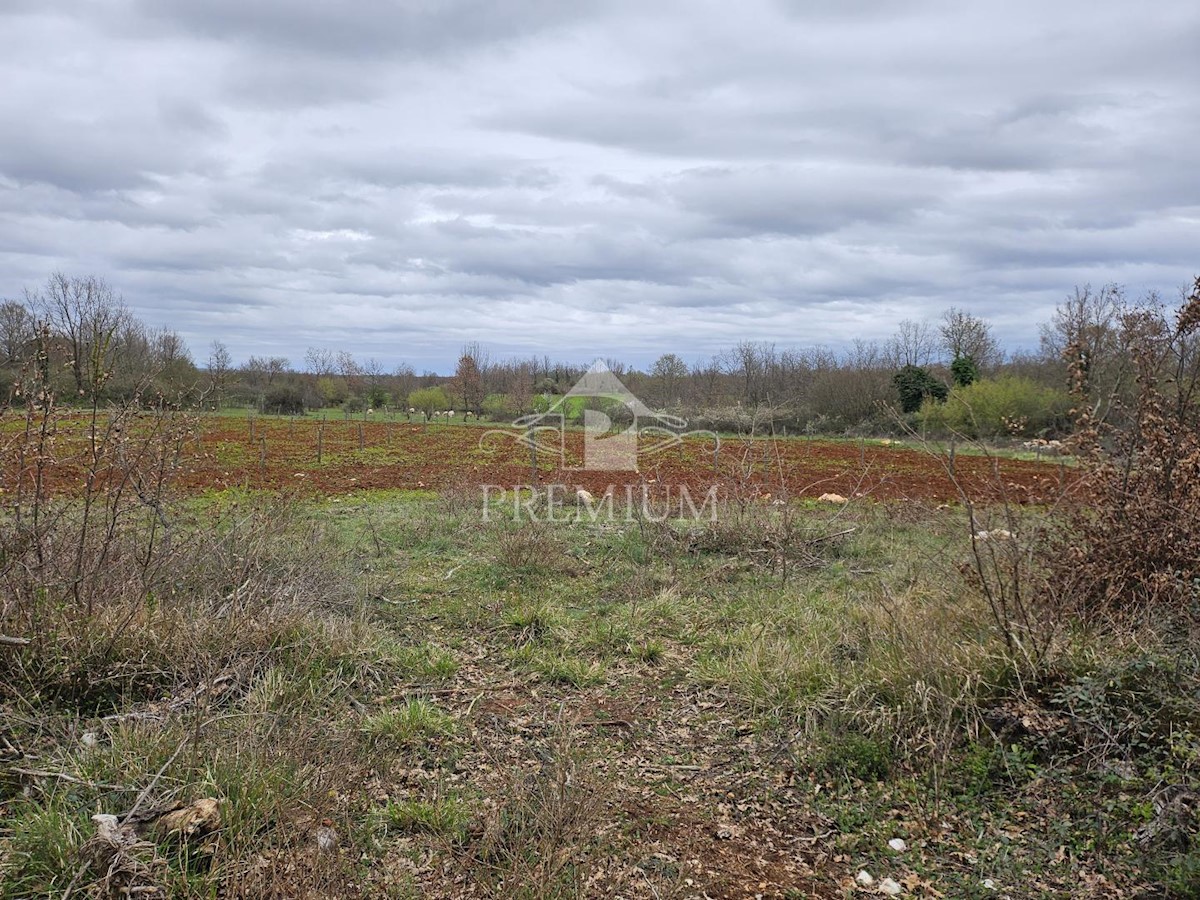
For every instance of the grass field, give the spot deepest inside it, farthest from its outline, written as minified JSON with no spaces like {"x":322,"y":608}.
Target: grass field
{"x":386,"y":694}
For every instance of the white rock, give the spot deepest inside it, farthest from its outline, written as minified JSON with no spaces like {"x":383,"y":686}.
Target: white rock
{"x":327,"y":838}
{"x":898,"y":845}
{"x":996,"y":534}
{"x":89,"y":739}
{"x":864,"y":878}
{"x":107,"y":826}
{"x":989,"y":884}
{"x":891,"y":887}
{"x":727,"y":832}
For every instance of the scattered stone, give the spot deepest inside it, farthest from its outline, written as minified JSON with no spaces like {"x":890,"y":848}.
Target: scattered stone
{"x":200,"y":818}
{"x":726,"y":832}
{"x":898,"y":845}
{"x":327,"y":838}
{"x":891,"y":887}
{"x":996,"y":534}
{"x":989,"y":884}
{"x":864,"y":878}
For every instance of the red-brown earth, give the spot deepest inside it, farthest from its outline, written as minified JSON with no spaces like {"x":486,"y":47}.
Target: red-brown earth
{"x":275,"y":454}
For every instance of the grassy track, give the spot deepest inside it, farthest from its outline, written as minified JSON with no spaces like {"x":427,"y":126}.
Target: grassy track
{"x":752,"y":707}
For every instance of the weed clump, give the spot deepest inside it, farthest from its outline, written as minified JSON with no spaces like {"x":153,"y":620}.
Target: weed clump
{"x":541,"y":840}
{"x":414,"y":721}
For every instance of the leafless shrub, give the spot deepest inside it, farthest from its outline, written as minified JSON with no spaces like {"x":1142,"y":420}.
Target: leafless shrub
{"x":460,"y":499}
{"x":1133,"y":540}
{"x":781,"y":538}
{"x":108,"y":587}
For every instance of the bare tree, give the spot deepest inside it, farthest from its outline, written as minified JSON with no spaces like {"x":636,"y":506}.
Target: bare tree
{"x":319,"y":361}
{"x":219,"y":365}
{"x":266,"y":368}
{"x":351,"y":371}
{"x":169,"y":348}
{"x":707,"y":377}
{"x":849,"y":390}
{"x":967,"y":336}
{"x":468,"y":384}
{"x":276,"y":366}
{"x":1086,"y":335}
{"x":374,"y":373}
{"x":482,"y":356}
{"x":913,"y":344}
{"x":16,"y":331}
{"x":405,"y":381}
{"x":87,"y":315}
{"x":616,"y":366}
{"x":751,"y":362}
{"x":668,"y":373}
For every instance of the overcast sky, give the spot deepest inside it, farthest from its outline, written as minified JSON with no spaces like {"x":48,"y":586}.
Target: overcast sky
{"x":588,"y":178}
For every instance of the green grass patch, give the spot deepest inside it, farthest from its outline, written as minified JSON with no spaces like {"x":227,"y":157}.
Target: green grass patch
{"x":414,"y":721}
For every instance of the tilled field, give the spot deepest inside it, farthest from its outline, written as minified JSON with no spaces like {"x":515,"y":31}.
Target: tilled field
{"x":341,"y":457}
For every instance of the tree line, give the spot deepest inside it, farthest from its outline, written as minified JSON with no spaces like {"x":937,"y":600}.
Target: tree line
{"x":79,"y":336}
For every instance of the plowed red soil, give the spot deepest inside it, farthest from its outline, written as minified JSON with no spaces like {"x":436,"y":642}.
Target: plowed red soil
{"x":282,"y":454}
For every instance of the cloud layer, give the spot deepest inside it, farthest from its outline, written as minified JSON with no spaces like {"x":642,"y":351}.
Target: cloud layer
{"x":598,"y":178}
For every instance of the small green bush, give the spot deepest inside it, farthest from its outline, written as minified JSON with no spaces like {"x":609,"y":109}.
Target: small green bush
{"x":854,"y":755}
{"x":428,"y":401}
{"x":917,"y":385}
{"x":499,"y":407}
{"x":1008,"y":405}
{"x":416,"y":721}
{"x":445,"y":816}
{"x":284,"y":400}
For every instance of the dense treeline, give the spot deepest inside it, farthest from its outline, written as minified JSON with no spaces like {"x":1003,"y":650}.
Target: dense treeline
{"x":947,"y":374}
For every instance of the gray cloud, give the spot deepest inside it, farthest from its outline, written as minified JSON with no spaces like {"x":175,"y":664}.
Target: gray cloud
{"x":386,"y":28}
{"x":396,"y":178}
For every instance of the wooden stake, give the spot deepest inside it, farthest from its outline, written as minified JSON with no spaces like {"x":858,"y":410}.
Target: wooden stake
{"x":532,"y":455}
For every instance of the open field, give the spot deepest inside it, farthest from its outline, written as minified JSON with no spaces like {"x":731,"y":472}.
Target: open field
{"x":337,"y":457}
{"x":350,"y":681}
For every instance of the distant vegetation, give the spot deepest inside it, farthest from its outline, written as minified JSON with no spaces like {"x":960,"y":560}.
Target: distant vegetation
{"x":280,"y":693}
{"x":946,"y":376}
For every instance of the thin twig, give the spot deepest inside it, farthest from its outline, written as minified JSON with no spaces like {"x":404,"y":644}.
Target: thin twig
{"x":63,"y":776}
{"x":153,"y":781}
